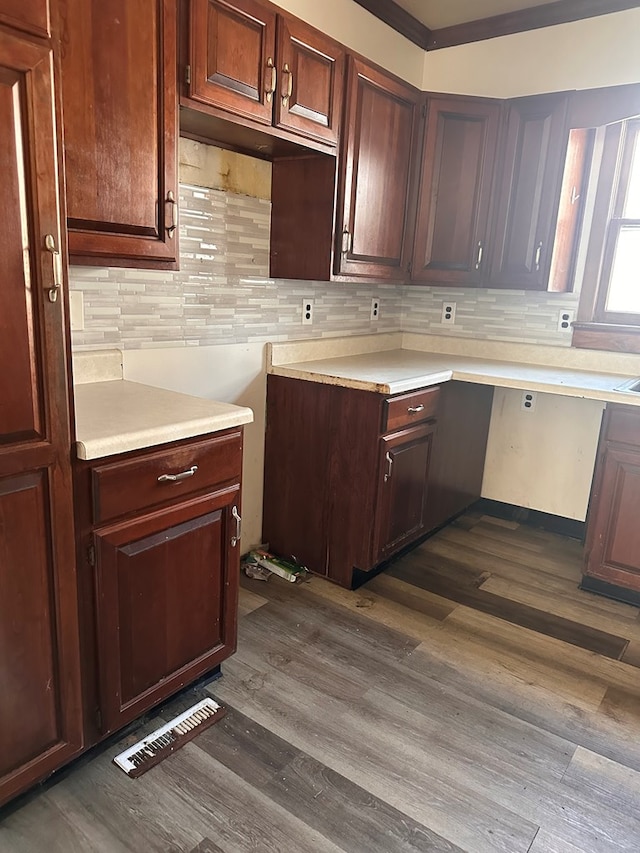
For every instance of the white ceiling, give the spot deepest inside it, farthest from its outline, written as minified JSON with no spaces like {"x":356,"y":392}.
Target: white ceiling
{"x":445,"y":13}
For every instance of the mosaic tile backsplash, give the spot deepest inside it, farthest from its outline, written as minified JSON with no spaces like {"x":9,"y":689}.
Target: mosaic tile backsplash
{"x":222,"y":294}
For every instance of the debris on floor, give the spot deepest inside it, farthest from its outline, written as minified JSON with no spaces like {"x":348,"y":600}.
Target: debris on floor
{"x":260,"y":565}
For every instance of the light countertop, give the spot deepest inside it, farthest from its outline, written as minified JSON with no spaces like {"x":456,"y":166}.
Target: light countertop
{"x":114,"y":415}
{"x":398,"y":370}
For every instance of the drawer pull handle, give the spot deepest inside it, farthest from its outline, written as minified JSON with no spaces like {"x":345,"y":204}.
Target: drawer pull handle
{"x":387,"y":475}
{"x":235,"y":539}
{"x":175,"y":478}
{"x":413,"y":410}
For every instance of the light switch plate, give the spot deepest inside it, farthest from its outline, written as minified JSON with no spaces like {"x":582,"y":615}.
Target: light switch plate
{"x":76,"y":310}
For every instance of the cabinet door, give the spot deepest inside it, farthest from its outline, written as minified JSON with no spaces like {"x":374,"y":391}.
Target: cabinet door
{"x":527,"y":191}
{"x":402,"y":488}
{"x":40,"y":717}
{"x":121,"y":128}
{"x":166,"y":602}
{"x":311,"y":69}
{"x":375,"y":232}
{"x":232,"y":55}
{"x":613,"y":536}
{"x":453,"y":211}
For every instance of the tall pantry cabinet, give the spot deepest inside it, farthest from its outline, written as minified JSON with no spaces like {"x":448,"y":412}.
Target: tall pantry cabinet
{"x":40,"y":717}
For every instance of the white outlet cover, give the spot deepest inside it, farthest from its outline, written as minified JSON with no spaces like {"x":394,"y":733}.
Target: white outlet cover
{"x":307,"y":312}
{"x":565,"y":319}
{"x":448,"y":313}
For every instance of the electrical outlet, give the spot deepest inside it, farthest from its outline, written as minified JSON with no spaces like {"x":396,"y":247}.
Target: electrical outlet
{"x":448,"y":313}
{"x":528,"y":401}
{"x":307,"y":312}
{"x":566,"y":318}
{"x":375,"y":310}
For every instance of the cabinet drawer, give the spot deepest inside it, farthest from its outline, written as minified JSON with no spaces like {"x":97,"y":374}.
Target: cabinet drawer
{"x":120,"y":488}
{"x":624,"y":425}
{"x":410,"y":409}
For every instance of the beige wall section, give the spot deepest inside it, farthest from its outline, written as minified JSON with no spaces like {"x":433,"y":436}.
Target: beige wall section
{"x":542,"y":459}
{"x":233,"y":373}
{"x":208,"y":166}
{"x":596,"y":52}
{"x":358,"y":29}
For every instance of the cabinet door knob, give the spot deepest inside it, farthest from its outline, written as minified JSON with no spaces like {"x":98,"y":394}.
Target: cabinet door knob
{"x":387,"y":475}
{"x":176,"y":478}
{"x":235,"y":539}
{"x":174,"y":213}
{"x":413,"y":410}
{"x":288,"y":91}
{"x":56,"y":267}
{"x":270,"y":88}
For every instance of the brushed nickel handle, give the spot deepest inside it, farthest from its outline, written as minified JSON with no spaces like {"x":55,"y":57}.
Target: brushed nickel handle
{"x":286,"y":95}
{"x":274,"y":80}
{"x":479,"y":254}
{"x":174,"y":213}
{"x":347,"y":241}
{"x":538,"y":256}
{"x":176,"y":478}
{"x":56,"y":267}
{"x":235,"y":539}
{"x":413,"y":410}
{"x":387,"y":475}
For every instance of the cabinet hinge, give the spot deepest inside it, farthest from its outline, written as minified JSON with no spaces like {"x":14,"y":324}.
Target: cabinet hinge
{"x":99,"y":719}
{"x":410,"y":267}
{"x":91,"y":555}
{"x":187,"y":74}
{"x":424,"y":110}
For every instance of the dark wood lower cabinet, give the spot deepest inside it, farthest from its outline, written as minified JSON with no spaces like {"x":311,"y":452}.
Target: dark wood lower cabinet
{"x":159,"y":579}
{"x":612,"y":553}
{"x":351,"y":476}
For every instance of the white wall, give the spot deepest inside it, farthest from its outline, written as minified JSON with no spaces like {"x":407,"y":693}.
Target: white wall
{"x":602,"y":51}
{"x":233,"y":373}
{"x":358,"y":29}
{"x":542,"y":459}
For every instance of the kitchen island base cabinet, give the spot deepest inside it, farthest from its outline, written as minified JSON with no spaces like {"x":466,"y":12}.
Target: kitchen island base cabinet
{"x":612,"y":554}
{"x":160,"y":572}
{"x":351,"y":476}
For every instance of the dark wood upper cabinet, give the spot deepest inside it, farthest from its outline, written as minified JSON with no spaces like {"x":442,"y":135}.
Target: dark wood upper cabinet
{"x":527,"y":191}
{"x":374,"y":227}
{"x":458,"y":158}
{"x":311,"y":69}
{"x":254,"y":64}
{"x":233,"y":57}
{"x":40,"y":712}
{"x":120,"y":125}
{"x":32,"y":16}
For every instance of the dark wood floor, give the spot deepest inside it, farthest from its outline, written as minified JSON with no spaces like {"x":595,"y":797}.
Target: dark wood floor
{"x":470,"y":698}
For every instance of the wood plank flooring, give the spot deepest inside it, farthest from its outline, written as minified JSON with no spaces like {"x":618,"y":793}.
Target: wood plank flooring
{"x":470,"y":698}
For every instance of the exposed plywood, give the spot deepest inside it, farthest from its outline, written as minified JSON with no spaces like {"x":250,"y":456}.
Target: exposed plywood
{"x":208,"y":166}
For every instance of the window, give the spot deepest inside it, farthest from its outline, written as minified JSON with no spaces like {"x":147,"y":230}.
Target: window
{"x":610,"y":301}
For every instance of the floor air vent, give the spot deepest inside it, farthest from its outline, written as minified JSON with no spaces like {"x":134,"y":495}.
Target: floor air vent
{"x":145,"y":754}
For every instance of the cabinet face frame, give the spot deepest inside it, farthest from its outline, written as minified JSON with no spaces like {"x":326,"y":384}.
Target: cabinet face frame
{"x":117,"y":711}
{"x":35,"y":468}
{"x":395,"y":203}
